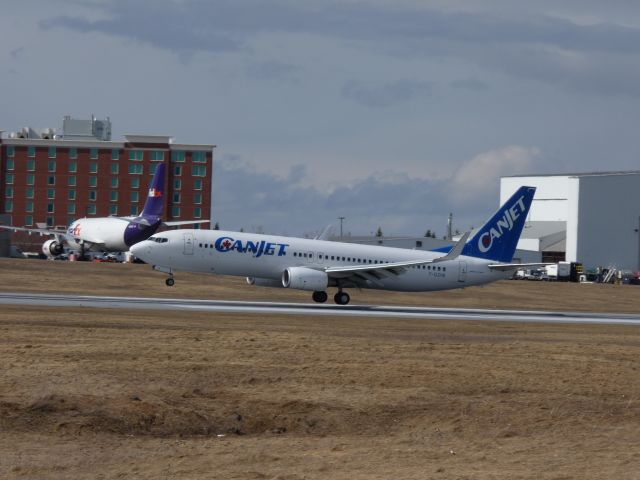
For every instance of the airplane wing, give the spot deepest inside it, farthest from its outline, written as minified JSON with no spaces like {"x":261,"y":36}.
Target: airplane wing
{"x":59,"y":235}
{"x":184,"y":222}
{"x":377,"y":271}
{"x":516,"y":266}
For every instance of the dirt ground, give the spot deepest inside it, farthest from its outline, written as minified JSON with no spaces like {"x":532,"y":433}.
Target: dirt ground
{"x":120,"y":394}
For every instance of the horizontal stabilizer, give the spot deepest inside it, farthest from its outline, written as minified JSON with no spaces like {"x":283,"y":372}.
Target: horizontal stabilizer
{"x":184,"y":222}
{"x":516,"y":266}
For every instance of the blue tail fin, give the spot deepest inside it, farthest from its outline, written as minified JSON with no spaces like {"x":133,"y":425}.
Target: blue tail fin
{"x":155,"y":199}
{"x":497,"y":239}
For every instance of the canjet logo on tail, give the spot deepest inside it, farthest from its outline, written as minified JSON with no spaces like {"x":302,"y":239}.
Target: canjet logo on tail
{"x":505,"y":224}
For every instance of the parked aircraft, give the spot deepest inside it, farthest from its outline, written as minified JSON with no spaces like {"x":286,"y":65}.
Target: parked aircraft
{"x":111,"y":234}
{"x":317,"y":265}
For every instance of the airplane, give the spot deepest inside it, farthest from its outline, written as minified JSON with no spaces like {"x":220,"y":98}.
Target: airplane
{"x":316,"y":265}
{"x":110,"y":234}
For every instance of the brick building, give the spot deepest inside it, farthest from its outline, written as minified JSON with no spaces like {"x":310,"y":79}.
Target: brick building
{"x":51,"y":180}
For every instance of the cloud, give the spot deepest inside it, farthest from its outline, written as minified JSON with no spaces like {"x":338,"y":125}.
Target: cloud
{"x":274,"y":70}
{"x":401,"y":91}
{"x":480,"y":175}
{"x":532,"y":45}
{"x":256,"y":200}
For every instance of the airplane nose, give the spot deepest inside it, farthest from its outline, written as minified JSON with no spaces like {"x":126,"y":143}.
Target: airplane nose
{"x":139,"y":250}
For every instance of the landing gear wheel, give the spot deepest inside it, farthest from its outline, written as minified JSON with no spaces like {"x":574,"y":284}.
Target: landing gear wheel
{"x":341,"y":298}
{"x":170,"y":282}
{"x":319,"y":297}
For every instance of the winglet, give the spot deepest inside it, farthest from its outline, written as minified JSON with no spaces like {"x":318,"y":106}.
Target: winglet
{"x":456,"y":250}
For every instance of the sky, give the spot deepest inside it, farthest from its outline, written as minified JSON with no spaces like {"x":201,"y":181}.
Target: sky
{"x":390,"y":114}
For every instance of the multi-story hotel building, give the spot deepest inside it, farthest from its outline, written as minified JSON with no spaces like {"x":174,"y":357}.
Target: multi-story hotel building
{"x":51,"y":180}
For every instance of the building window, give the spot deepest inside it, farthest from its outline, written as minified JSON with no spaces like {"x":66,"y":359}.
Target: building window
{"x":71,"y":208}
{"x":52,"y":152}
{"x":28,"y":207}
{"x":157,"y":156}
{"x":73,"y":153}
{"x":49,"y":221}
{"x":115,"y":154}
{"x":93,"y":167}
{"x":135,"y":183}
{"x":175,"y":212}
{"x":70,"y":219}
{"x":177,"y":156}
{"x":133,"y":210}
{"x":198,"y":157}
{"x":93,"y":181}
{"x":31,"y":179}
{"x":198,"y":170}
{"x":176,"y":197}
{"x":135,"y":155}
{"x":113,"y":209}
{"x":51,"y":207}
{"x":197,"y":198}
{"x":152,"y":168}
{"x":134,"y":196}
{"x":115,"y":168}
{"x":135,"y":168}
{"x":93,"y":154}
{"x":114,"y":182}
{"x":177,"y":184}
{"x":51,"y":180}
{"x":73,"y":166}
{"x":71,"y":194}
{"x":93,"y":195}
{"x":71,"y":180}
{"x":28,"y":220}
{"x":28,"y":192}
{"x":31,"y":151}
{"x":10,"y":163}
{"x":8,"y":178}
{"x":113,"y":196}
{"x":197,"y":212}
{"x":51,"y":166}
{"x":177,"y":170}
{"x":8,"y":192}
{"x":31,"y":165}
{"x":91,"y":209}
{"x":11,"y":151}
{"x":51,"y":193}
{"x":197,"y":184}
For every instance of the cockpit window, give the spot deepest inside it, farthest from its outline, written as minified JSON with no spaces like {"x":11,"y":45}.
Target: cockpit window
{"x":159,"y":239}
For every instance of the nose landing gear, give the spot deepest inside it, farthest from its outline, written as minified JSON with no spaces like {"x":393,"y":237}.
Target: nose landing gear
{"x":170,"y":282}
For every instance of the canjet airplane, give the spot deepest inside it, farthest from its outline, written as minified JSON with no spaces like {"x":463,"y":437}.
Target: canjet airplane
{"x":111,"y":234}
{"x":316,"y":265}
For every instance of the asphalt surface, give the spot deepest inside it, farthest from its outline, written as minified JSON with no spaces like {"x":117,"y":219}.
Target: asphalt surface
{"x":50,"y":300}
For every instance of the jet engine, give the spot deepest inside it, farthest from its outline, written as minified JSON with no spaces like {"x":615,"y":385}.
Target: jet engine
{"x":264,"y":282}
{"x":304,"y":278}
{"x":52,"y":248}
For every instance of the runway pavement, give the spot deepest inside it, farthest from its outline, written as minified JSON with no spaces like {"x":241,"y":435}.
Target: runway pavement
{"x":50,"y":300}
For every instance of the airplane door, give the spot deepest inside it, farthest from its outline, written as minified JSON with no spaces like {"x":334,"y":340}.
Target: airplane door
{"x":310,"y":257}
{"x":188,"y":243}
{"x":462,"y":271}
{"x":320,"y":257}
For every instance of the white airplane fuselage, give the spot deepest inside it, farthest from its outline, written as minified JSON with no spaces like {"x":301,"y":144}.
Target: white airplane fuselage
{"x":268,"y":256}
{"x":109,"y":230}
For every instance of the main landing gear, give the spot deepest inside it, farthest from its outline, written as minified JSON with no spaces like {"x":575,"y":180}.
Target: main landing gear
{"x":341,"y":298}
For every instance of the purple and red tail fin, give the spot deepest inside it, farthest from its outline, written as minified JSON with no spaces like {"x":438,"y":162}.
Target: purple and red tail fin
{"x":155,"y":198}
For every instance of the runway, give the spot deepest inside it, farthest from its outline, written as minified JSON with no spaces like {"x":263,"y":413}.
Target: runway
{"x":213,"y":306}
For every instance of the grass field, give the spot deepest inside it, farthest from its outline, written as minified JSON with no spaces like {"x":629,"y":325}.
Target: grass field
{"x":119,"y":394}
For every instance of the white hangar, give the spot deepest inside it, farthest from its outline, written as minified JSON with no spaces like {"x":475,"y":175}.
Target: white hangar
{"x":591,"y":218}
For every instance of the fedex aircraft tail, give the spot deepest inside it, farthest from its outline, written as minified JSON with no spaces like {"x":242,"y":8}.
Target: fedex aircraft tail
{"x":497,"y":239}
{"x":155,"y":198}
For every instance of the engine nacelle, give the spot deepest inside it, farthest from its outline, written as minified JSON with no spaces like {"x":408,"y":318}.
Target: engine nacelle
{"x":52,"y":248}
{"x":304,"y":278}
{"x":264,"y":282}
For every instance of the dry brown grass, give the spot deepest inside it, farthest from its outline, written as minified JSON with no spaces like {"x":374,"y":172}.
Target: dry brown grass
{"x":117,"y":394}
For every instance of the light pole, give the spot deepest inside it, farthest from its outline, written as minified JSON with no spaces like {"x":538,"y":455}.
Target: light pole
{"x":341,"y":220}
